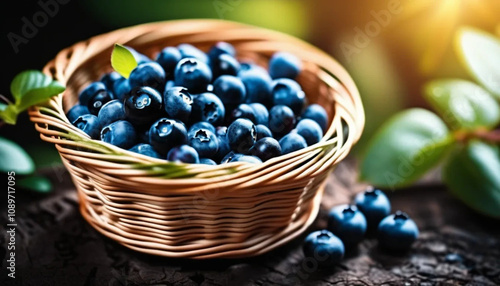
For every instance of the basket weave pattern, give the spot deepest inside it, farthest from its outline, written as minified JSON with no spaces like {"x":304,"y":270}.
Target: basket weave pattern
{"x":230,"y":210}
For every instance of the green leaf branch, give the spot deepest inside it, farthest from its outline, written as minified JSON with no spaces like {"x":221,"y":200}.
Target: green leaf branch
{"x":464,"y":137}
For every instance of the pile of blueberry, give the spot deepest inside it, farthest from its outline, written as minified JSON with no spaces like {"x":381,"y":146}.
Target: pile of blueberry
{"x":195,"y":107}
{"x":348,"y":225}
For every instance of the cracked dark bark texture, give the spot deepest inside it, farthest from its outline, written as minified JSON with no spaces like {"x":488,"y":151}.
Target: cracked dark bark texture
{"x":55,"y":246}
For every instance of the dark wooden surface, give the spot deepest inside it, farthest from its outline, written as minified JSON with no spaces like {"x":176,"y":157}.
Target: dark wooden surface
{"x":55,"y":246}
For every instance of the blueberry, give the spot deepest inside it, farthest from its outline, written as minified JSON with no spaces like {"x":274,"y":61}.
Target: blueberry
{"x":281,"y":120}
{"x":266,"y":148}
{"x":109,"y":80}
{"x":169,"y":84}
{"x":224,"y":65}
{"x":89,"y":124}
{"x":207,"y":107}
{"x":310,"y":130}
{"x":397,"y":232}
{"x":178,"y":103}
{"x":206,"y":161}
{"x":375,"y":205}
{"x":230,"y":90}
{"x":121,"y":88}
{"x":120,"y":133}
{"x":348,"y":223}
{"x":193,"y":74}
{"x":168,"y":59}
{"x":94,"y":96}
{"x":77,"y":111}
{"x":111,"y":111}
{"x":324,"y":247}
{"x":241,"y":135}
{"x":221,"y":48}
{"x":236,"y":157}
{"x":145,"y":149}
{"x":261,"y":113}
{"x":285,"y":65}
{"x":143,"y":105}
{"x":288,"y":92}
{"x":201,"y":125}
{"x":292,"y":142}
{"x":258,"y":87}
{"x":224,"y":147}
{"x":246,"y":68}
{"x":144,"y":136}
{"x":190,"y":51}
{"x":139,"y":58}
{"x":167,"y":133}
{"x":243,"y":111}
{"x":183,"y":153}
{"x":263,"y":131}
{"x":317,"y":113}
{"x":204,"y":142}
{"x":148,"y":74}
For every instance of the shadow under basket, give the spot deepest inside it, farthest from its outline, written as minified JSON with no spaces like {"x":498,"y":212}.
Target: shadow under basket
{"x":192,"y":210}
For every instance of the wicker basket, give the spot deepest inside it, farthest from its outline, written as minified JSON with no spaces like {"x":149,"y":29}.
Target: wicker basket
{"x":198,"y":211}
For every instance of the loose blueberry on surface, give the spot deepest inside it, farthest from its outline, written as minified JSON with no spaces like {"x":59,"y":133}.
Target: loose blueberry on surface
{"x":183,"y":153}
{"x":281,"y":120}
{"x":261,"y":113}
{"x":224,"y":65}
{"x":143,"y":105}
{"x":148,"y":74}
{"x":168,"y":59}
{"x":145,"y":149}
{"x":178,"y":103}
{"x":121,"y":88}
{"x":206,"y":161}
{"x":201,"y":125}
{"x":284,"y":65}
{"x":204,"y":142}
{"x":190,"y":51}
{"x":375,"y":205}
{"x":221,"y":48}
{"x":288,"y":92}
{"x":109,"y":80}
{"x":397,"y":232}
{"x":111,"y":111}
{"x":193,"y":74}
{"x":317,"y":113}
{"x":243,"y":111}
{"x":89,"y":124}
{"x":230,"y":90}
{"x":139,"y":58}
{"x":94,"y":96}
{"x":266,"y":148}
{"x":310,"y":130}
{"x":263,"y":131}
{"x":224,"y":147}
{"x":324,"y":247}
{"x":166,"y":133}
{"x":77,"y":111}
{"x":348,"y":223}
{"x":292,"y":142}
{"x":258,"y":87}
{"x":120,"y":133}
{"x":241,"y":135}
{"x":207,"y":107}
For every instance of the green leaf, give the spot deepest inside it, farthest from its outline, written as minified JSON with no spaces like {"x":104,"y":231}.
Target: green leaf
{"x":14,"y":158}
{"x":9,"y":114}
{"x":32,"y":86}
{"x":480,"y":54}
{"x":35,"y":183}
{"x":473,"y":175}
{"x":405,"y":147}
{"x":122,"y":60}
{"x":463,"y":104}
